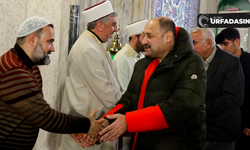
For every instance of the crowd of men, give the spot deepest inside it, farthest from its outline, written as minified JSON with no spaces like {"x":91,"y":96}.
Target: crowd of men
{"x":166,"y":88}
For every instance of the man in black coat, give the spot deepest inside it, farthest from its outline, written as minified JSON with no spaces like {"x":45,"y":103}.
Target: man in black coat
{"x":164,"y":104}
{"x":225,"y":91}
{"x":229,"y":39}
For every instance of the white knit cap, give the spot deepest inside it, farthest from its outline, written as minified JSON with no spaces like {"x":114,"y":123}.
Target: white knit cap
{"x":30,"y":25}
{"x":136,"y":27}
{"x":97,"y":11}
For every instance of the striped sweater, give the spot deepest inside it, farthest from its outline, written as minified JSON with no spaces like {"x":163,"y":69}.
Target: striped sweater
{"x":22,"y":107}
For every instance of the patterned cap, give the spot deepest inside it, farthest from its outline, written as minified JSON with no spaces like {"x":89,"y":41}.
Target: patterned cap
{"x":31,"y":25}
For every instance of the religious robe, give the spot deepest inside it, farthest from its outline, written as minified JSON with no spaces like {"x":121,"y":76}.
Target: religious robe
{"x":90,"y":84}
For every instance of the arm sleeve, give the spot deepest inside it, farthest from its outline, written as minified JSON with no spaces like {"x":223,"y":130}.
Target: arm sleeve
{"x":21,"y":93}
{"x":146,"y":119}
{"x":124,"y":104}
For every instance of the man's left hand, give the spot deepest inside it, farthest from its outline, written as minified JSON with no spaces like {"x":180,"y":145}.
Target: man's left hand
{"x":116,"y":129}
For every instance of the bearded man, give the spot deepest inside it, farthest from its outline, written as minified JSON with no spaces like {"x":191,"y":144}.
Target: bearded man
{"x":23,"y":109}
{"x":126,"y":58}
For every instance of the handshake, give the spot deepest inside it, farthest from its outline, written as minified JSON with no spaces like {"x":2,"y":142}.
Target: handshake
{"x":101,"y":130}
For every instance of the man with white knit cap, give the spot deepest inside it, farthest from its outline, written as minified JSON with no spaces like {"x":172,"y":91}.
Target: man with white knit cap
{"x":23,"y":110}
{"x":90,"y":83}
{"x":126,"y":58}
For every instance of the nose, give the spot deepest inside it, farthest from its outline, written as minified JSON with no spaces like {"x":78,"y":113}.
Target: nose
{"x":52,"y":48}
{"x":194,"y":48}
{"x":115,"y":29}
{"x":144,"y":40}
{"x":222,"y":47}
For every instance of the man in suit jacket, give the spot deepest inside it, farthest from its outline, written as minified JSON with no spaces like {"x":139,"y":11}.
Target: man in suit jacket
{"x":229,"y":39}
{"x":225,"y":91}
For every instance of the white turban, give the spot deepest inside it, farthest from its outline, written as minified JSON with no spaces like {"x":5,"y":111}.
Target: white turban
{"x":136,"y":27}
{"x":97,"y":11}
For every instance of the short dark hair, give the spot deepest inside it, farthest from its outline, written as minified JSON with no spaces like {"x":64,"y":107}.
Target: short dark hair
{"x":167,"y":25}
{"x":38,"y":33}
{"x":229,"y":34}
{"x":105,"y":19}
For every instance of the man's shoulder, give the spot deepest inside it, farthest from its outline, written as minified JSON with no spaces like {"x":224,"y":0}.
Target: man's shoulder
{"x":224,"y":60}
{"x":190,"y":57}
{"x":84,"y":44}
{"x":144,"y":62}
{"x":121,"y":54}
{"x":224,"y":54}
{"x":8,"y":61}
{"x":246,"y":54}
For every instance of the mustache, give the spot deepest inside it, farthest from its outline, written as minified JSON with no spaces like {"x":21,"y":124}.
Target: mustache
{"x":49,"y":52}
{"x":146,"y":46}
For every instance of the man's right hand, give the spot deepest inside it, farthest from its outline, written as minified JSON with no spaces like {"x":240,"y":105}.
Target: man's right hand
{"x":95,"y":128}
{"x":103,"y":122}
{"x":92,"y":136}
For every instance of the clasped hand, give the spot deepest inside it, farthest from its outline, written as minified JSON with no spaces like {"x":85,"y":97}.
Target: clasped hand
{"x":100,"y":130}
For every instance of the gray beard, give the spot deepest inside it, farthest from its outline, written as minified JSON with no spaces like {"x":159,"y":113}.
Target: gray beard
{"x":39,"y":56}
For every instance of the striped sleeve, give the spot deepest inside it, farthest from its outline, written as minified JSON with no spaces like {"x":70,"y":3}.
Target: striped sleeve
{"x":20,"y":91}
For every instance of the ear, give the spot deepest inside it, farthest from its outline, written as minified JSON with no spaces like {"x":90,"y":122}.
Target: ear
{"x":100,"y":26}
{"x":32,"y":39}
{"x":168,"y":36}
{"x":237,"y":41}
{"x":209,"y":43}
{"x":134,"y":38}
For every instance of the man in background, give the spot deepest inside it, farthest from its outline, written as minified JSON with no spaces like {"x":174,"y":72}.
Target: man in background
{"x":23,"y":109}
{"x":225,"y":91}
{"x":90,"y":82}
{"x":126,"y":58}
{"x":229,"y":39}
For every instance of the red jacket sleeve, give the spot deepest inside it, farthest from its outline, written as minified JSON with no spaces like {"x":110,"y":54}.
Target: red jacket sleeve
{"x":113,"y":110}
{"x":146,"y":119}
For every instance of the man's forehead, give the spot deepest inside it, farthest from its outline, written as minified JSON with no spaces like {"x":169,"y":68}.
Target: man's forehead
{"x":194,"y":35}
{"x":226,"y":41}
{"x":112,"y":20}
{"x":147,"y":32}
{"x":151,"y":29}
{"x":48,"y":32}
